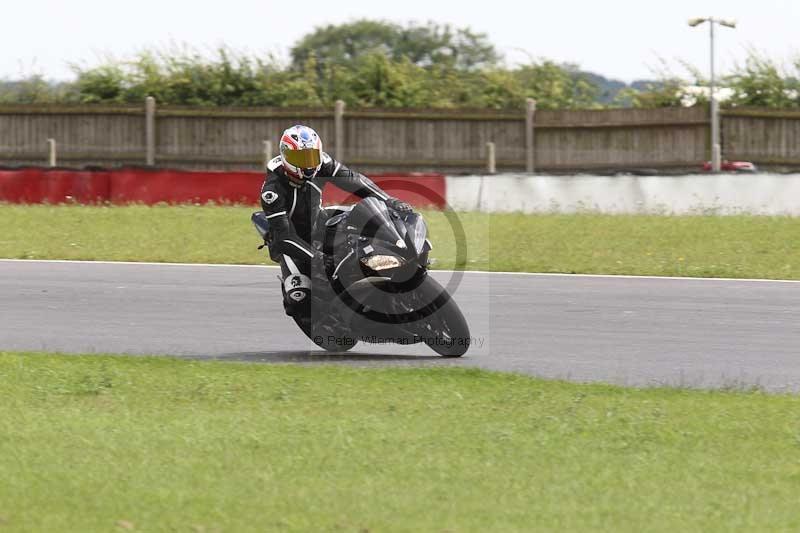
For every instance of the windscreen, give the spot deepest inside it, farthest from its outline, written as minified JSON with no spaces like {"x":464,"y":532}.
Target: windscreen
{"x":373,"y":220}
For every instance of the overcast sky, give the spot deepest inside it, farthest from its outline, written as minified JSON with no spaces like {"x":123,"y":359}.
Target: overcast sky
{"x":616,"y":38}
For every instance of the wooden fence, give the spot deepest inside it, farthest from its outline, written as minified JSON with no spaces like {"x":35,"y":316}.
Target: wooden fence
{"x":770,"y":138}
{"x":390,"y":140}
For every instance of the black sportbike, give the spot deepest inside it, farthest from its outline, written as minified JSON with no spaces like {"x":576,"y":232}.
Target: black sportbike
{"x":373,"y":283}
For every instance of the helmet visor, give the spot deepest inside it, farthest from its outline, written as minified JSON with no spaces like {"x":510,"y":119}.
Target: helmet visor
{"x":305,"y":158}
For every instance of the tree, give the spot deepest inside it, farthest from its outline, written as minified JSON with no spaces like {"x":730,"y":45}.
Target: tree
{"x":761,"y":82}
{"x":185,"y":77}
{"x":668,"y":90}
{"x":557,"y":86}
{"x":422,"y":45}
{"x":665,"y":93}
{"x":365,"y":63}
{"x":34,"y":89}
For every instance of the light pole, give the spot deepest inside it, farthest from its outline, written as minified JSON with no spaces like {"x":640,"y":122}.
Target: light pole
{"x":716,"y":149}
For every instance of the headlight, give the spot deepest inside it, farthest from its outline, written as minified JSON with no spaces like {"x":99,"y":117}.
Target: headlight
{"x":382,"y":262}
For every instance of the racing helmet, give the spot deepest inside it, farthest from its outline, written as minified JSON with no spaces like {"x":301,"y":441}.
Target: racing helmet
{"x":301,"y":153}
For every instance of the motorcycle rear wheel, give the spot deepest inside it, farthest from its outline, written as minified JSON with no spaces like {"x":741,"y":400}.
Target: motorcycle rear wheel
{"x":326,"y":337}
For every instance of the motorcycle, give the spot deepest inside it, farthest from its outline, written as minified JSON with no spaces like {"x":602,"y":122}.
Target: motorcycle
{"x":373,"y":283}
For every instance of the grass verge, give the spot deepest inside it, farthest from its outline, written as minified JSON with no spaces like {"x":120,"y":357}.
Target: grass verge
{"x":92,"y":443}
{"x":699,"y":246}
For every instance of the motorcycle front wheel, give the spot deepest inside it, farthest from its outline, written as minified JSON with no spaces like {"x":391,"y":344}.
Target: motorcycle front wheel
{"x":441,"y":325}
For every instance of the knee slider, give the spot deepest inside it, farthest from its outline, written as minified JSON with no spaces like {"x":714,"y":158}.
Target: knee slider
{"x":297,"y":287}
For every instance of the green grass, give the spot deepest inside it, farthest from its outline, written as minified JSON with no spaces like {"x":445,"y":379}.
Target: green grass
{"x":88,"y":442}
{"x":700,"y":246}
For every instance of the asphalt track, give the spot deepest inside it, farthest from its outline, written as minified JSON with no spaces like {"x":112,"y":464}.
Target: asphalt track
{"x":623,"y":330}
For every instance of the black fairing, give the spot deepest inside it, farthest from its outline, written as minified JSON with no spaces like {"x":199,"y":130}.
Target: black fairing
{"x":371,"y":228}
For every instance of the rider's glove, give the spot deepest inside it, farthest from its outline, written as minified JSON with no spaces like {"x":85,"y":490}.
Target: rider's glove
{"x":399,"y":205}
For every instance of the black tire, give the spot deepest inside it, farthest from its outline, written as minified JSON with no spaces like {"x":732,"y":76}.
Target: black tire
{"x":326,"y":337}
{"x":445,"y":329}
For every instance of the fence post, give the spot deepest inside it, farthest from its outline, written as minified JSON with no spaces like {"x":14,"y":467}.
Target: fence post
{"x":491,"y":163}
{"x":51,"y":152}
{"x":267,"y":152}
{"x":530,"y":145}
{"x":150,"y":130}
{"x":338,"y":128}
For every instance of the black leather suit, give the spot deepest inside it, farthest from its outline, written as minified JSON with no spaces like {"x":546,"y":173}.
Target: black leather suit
{"x":293,"y":212}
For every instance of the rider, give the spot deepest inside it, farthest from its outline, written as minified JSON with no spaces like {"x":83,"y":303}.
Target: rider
{"x":291,"y":199}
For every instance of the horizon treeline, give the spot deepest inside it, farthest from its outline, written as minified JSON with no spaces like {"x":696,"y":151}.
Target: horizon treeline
{"x":370,"y":63}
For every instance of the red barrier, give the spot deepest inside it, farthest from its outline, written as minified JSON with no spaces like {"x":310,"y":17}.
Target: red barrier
{"x":420,"y":190}
{"x":55,"y":186}
{"x":134,"y":185}
{"x":177,"y":187}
